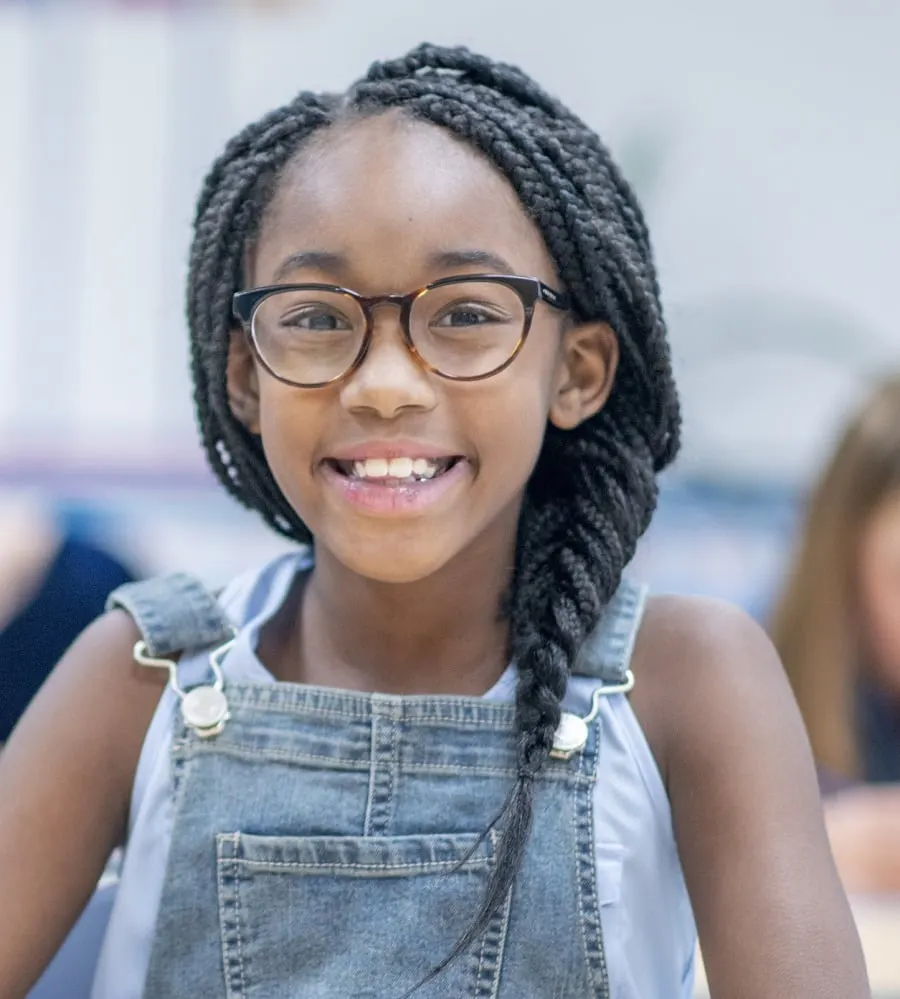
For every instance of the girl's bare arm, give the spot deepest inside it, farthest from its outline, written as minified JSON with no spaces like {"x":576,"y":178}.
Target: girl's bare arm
{"x":65,"y":784}
{"x":772,"y":916}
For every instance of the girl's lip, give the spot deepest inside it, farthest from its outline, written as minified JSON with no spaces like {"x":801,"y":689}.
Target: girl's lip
{"x":389,"y":498}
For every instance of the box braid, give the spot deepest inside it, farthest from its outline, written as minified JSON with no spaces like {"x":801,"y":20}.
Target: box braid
{"x":594,"y":488}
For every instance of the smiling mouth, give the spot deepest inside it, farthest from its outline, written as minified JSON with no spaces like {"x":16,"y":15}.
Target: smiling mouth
{"x":394,"y":471}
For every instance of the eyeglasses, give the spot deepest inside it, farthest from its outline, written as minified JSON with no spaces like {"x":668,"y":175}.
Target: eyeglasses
{"x":463,"y":328}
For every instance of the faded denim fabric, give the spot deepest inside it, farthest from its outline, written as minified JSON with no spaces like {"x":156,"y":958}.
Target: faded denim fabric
{"x":328,"y":843}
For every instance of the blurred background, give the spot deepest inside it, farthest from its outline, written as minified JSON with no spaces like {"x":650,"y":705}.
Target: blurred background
{"x":763,"y":139}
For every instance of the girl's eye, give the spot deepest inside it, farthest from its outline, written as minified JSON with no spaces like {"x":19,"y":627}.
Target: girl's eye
{"x":317,"y":319}
{"x":467,"y":315}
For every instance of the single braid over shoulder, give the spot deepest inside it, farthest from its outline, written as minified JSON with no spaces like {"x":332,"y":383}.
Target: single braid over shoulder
{"x":594,"y":488}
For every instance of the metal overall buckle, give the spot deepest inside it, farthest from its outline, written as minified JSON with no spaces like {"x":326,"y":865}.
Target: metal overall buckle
{"x":572,"y":732}
{"x":204,"y":708}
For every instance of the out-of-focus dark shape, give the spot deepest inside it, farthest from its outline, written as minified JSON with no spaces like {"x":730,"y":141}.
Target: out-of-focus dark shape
{"x":53,"y":583}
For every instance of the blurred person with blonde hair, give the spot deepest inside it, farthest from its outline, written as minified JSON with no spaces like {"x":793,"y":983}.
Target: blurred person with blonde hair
{"x":837,"y":629}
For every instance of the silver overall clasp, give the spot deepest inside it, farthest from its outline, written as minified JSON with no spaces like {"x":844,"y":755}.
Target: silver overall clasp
{"x":204,"y":708}
{"x":572,"y":732}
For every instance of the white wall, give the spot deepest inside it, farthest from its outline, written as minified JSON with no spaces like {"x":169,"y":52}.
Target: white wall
{"x":775,"y":201}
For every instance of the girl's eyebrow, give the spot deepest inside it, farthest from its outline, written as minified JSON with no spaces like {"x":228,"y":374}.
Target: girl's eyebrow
{"x":320,"y":260}
{"x":440,"y":260}
{"x":448,"y":259}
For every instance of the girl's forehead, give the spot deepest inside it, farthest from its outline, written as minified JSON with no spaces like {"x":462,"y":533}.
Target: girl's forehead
{"x":387,"y":194}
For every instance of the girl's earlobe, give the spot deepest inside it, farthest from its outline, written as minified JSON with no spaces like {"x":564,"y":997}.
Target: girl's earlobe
{"x":587,"y":368}
{"x":243,"y":382}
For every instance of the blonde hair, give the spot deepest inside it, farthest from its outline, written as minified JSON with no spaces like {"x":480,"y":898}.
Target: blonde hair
{"x":815,"y":625}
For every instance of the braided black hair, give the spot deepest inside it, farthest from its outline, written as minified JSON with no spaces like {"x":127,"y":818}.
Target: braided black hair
{"x":594,"y":488}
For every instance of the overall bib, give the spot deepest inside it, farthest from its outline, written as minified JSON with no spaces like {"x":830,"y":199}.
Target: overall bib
{"x":330,"y":844}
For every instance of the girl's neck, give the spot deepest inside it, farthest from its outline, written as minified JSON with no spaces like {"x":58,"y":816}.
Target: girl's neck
{"x":440,"y":635}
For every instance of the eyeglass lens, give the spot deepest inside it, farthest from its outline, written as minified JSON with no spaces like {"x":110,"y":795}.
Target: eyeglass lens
{"x":462,"y":330}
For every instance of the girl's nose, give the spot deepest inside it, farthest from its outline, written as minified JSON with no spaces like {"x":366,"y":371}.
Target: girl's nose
{"x":390,"y":380}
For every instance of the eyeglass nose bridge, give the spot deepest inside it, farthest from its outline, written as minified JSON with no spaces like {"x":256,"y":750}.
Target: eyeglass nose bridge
{"x":404,"y":303}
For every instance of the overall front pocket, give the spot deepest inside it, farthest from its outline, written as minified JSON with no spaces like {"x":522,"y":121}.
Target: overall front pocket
{"x":354,"y":917}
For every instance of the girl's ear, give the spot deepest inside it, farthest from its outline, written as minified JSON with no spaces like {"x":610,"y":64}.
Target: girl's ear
{"x":243,"y":382}
{"x":589,"y":356}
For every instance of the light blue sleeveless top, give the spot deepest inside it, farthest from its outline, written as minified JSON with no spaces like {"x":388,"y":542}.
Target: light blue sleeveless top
{"x":170,"y":919}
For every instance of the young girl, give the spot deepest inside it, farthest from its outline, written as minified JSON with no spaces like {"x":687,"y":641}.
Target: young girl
{"x":427,"y":344}
{"x":837,"y":628}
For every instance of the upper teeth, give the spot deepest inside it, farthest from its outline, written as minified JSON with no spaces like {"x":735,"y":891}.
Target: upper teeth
{"x":396,"y":468}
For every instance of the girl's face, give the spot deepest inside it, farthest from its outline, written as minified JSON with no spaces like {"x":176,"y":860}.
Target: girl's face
{"x":879,"y":583}
{"x":387,"y":205}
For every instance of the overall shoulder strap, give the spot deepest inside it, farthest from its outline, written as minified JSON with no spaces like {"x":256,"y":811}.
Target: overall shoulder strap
{"x":174,"y":613}
{"x":606,"y":653}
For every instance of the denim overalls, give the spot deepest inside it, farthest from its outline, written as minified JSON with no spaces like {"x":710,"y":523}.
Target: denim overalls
{"x":329,"y":843}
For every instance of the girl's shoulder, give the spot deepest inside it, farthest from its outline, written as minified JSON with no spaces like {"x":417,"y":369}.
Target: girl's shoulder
{"x":700,"y":662}
{"x":692,"y":657}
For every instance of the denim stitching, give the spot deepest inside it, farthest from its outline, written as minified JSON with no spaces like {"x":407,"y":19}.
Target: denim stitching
{"x":229,"y":925}
{"x":424,"y":866}
{"x":179,"y":755}
{"x":607,"y":650}
{"x":173,"y":613}
{"x":242,"y":751}
{"x":501,"y":946}
{"x":367,"y":821}
{"x":586,"y":874}
{"x":239,"y":907}
{"x":280,"y":701}
{"x":494,"y":941}
{"x":479,"y":971}
{"x":384,"y":780}
{"x":396,"y":739}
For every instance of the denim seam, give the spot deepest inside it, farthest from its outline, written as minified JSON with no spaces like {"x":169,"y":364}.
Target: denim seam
{"x":288,"y":707}
{"x":179,"y":758}
{"x":607,"y":651}
{"x":479,"y":971}
{"x":362,"y":765}
{"x":550,"y":773}
{"x":384,"y":780}
{"x":240,"y":938}
{"x":503,"y":930}
{"x":493,"y":941}
{"x":370,"y":795}
{"x":396,"y":739}
{"x":173,"y":613}
{"x":579,"y":891}
{"x":586,"y":875}
{"x":234,"y":977}
{"x":423,"y":866}
{"x":625,"y":635}
{"x":284,"y":756}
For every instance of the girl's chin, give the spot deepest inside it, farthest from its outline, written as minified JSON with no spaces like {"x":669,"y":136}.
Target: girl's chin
{"x":395,"y":560}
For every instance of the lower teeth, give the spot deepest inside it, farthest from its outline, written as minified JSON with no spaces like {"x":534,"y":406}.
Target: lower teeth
{"x":407,"y":481}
